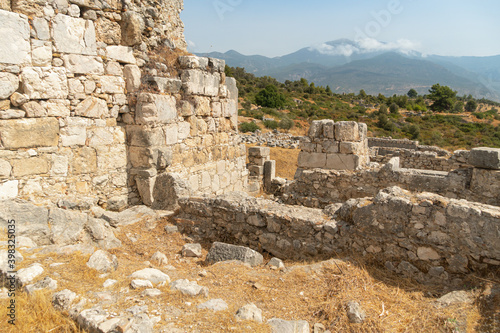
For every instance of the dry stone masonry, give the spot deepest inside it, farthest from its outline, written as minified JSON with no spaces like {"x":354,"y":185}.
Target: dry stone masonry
{"x":334,"y":146}
{"x":89,"y":113}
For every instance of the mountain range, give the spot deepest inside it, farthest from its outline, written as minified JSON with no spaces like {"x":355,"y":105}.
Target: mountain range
{"x":377,"y":67}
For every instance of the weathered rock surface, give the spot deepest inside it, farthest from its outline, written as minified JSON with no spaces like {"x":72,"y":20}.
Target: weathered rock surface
{"x":103,"y":261}
{"x":222,"y":252}
{"x":213,"y":304}
{"x":288,"y":326}
{"x":249,"y":312}
{"x":189,"y":288}
{"x":154,"y":275}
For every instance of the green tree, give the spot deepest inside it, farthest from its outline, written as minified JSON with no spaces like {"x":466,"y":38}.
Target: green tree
{"x":383,"y":109}
{"x":270,"y":97}
{"x":328,"y":90}
{"x":443,"y":97}
{"x":458,"y":107}
{"x":471,"y":105}
{"x":412,"y":93}
{"x":249,"y":127}
{"x":394,"y":108}
{"x":286,"y":123}
{"x":362,"y":94}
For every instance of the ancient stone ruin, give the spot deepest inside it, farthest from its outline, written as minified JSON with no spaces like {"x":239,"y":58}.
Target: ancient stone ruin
{"x":106,"y":119}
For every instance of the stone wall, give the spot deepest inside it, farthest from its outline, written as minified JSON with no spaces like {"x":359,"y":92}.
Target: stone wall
{"x":426,"y":160}
{"x":96,"y":105}
{"x":335,"y":146}
{"x":414,"y":234}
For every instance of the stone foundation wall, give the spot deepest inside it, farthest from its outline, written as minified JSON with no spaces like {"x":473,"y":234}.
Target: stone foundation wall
{"x":414,"y":234}
{"x":425,"y":160}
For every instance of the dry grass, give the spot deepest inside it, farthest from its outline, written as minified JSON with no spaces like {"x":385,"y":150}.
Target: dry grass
{"x":316,"y":293}
{"x":286,"y":161}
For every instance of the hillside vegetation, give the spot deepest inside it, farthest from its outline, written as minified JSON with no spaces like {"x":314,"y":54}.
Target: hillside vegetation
{"x":440,"y":118}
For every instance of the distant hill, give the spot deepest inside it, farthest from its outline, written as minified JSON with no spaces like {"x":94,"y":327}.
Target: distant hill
{"x":348,"y":66}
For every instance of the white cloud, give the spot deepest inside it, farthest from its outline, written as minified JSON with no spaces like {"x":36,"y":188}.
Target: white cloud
{"x":366,"y":45}
{"x":191,"y":44}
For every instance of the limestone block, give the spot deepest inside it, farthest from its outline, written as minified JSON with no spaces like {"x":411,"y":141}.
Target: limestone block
{"x":232,"y":88}
{"x":112,"y":84}
{"x":30,"y":166}
{"x":114,"y":68}
{"x":111,"y":158}
{"x":259,"y":151}
{"x":197,"y":82}
{"x":141,"y":157}
{"x":34,"y":110}
{"x":311,"y":160}
{"x":168,"y":189}
{"x":216,"y":109}
{"x":18,"y":99}
{"x":100,"y":136}
{"x":92,"y":107}
{"x":5,"y":169}
{"x":342,"y":162}
{"x":145,"y":187}
{"x":14,"y":38}
{"x":12,"y":114}
{"x":123,"y":54}
{"x":60,"y":165}
{"x":45,"y":82}
{"x":145,"y":137}
{"x":9,"y":83}
{"x":66,"y":226}
{"x":41,"y":53}
{"x":229,"y":108}
{"x":153,"y":108}
{"x":132,"y":25}
{"x":172,"y":134}
{"x":132,"y":74}
{"x":29,"y":133}
{"x":316,"y":129}
{"x":347,"y":131}
{"x":166,"y":85}
{"x":486,"y":158}
{"x":427,"y":253}
{"x":193,"y":62}
{"x":9,"y":190}
{"x":328,"y":129}
{"x":217,"y":65}
{"x":84,"y":161}
{"x":83,"y":64}
{"x":329,"y":147}
{"x":41,"y":27}
{"x":75,"y":86}
{"x":223,"y":252}
{"x":74,"y":135}
{"x":108,"y":31}
{"x":74,"y":35}
{"x":352,"y":148}
{"x":56,"y":107}
{"x":184,"y":130}
{"x":363,"y":131}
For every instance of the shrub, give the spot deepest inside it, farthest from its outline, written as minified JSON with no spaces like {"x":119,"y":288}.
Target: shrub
{"x":271,"y":124}
{"x":286,"y":123}
{"x":249,"y":127}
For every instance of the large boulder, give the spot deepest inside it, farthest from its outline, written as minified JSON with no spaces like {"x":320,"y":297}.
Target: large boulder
{"x":223,"y":252}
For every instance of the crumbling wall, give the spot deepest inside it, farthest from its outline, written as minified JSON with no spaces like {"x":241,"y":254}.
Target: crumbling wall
{"x":96,"y":105}
{"x":334,"y":146}
{"x":424,"y":236}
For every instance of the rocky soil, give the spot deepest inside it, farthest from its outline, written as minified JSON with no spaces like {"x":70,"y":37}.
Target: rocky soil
{"x":160,"y":280}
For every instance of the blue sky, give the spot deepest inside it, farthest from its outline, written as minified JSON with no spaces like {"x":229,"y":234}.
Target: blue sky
{"x":279,"y":27}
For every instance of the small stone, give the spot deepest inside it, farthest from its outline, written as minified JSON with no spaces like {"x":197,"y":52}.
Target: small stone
{"x":191,"y":250}
{"x":151,"y":274}
{"x":103,"y":261}
{"x":355,"y":313}
{"x":249,"y":312}
{"x":171,"y":229}
{"x":276,"y":263}
{"x":46,"y":283}
{"x":213,"y":304}
{"x":151,"y":292}
{"x":137,"y":284}
{"x":108,"y":283}
{"x":455,"y":297}
{"x":63,"y":299}
{"x":26,"y":275}
{"x":18,"y":99}
{"x":189,"y":288}
{"x":160,"y":259}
